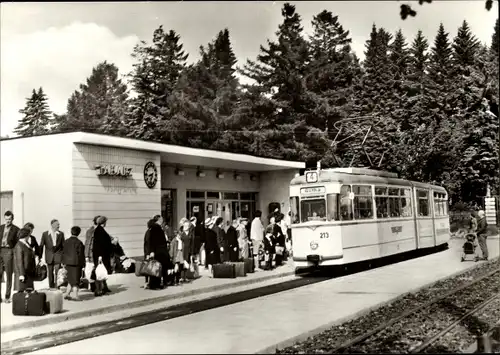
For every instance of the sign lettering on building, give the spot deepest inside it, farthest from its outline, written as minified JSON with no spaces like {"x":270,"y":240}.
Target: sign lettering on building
{"x":113,"y":170}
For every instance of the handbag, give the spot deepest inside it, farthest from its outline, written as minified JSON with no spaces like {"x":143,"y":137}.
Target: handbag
{"x":279,"y":250}
{"x":62,"y":277}
{"x":40,"y":272}
{"x":101,"y":273}
{"x":151,"y":268}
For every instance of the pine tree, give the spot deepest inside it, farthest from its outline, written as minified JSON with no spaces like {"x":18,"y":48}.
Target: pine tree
{"x":279,"y":73}
{"x":465,"y":46}
{"x":495,"y":39}
{"x":99,"y":105}
{"x":36,"y":115}
{"x":332,"y":74}
{"x":154,"y":78}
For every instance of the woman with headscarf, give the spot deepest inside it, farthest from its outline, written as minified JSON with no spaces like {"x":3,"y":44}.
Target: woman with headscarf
{"x":102,"y":247}
{"x":243,"y":238}
{"x":187,"y":236}
{"x":211,"y":245}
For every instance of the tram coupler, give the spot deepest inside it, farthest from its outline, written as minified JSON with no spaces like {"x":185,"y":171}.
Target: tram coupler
{"x":315,"y":259}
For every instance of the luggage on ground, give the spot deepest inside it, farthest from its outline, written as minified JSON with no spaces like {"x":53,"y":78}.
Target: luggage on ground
{"x":224,"y":271}
{"x":40,"y":272}
{"x":28,"y":303}
{"x":62,"y":277}
{"x":249,"y":265}
{"x":150,"y":268}
{"x":239,"y":268}
{"x":54,"y":301}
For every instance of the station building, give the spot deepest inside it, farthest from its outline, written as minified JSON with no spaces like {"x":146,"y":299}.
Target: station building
{"x":75,"y":176}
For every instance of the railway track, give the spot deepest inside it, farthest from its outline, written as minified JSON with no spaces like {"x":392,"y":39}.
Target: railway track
{"x":409,"y":332}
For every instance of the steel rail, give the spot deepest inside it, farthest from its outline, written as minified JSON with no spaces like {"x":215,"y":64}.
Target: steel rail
{"x":361,"y":338}
{"x":432,"y":339}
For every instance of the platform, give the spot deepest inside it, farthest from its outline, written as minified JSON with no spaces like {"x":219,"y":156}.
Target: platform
{"x":262,"y":324}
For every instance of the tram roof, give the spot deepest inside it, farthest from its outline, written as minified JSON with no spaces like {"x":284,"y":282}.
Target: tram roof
{"x":332,"y":175}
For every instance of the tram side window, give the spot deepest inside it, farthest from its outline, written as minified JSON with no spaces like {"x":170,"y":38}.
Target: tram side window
{"x":406,"y":210}
{"x":294,"y":208}
{"x":381,"y":202}
{"x":440,"y":204}
{"x":363,"y":202}
{"x":394,"y":202}
{"x":423,"y":203}
{"x":345,"y":203}
{"x":332,"y":207}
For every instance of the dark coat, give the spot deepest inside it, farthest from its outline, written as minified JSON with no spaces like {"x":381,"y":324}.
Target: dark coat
{"x":268,"y":245}
{"x":12,"y":237}
{"x":24,"y":260}
{"x":198,"y":239}
{"x":279,"y":237}
{"x":232,"y":242}
{"x":187,"y":241}
{"x":220,"y":237}
{"x":73,"y":252}
{"x":34,"y":244}
{"x":155,"y":242}
{"x":212,"y":247}
{"x":53,"y":253}
{"x":103,"y":247}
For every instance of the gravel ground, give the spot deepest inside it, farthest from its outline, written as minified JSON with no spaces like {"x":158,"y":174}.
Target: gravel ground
{"x":328,"y":340}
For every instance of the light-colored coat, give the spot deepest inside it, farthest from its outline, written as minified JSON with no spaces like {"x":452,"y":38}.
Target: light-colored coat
{"x":242,"y":241}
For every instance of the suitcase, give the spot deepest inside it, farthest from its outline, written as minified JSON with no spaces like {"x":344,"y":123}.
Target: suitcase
{"x":29,"y":303}
{"x":54,"y":301}
{"x":224,"y":271}
{"x":249,"y":265}
{"x":239,"y":268}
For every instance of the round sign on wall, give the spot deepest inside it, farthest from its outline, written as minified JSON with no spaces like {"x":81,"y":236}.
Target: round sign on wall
{"x":150,"y":174}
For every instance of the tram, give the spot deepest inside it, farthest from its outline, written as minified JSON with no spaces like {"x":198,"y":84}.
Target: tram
{"x":345,"y":215}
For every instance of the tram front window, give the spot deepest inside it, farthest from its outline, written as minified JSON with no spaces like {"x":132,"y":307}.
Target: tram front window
{"x":313,"y":210}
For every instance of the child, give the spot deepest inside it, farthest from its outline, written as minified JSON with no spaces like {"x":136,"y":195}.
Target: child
{"x":176,"y":254}
{"x":74,"y":261}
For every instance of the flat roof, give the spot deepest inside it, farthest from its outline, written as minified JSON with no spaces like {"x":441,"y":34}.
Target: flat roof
{"x":180,"y":155}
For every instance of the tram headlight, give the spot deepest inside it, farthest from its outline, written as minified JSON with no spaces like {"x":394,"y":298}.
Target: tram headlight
{"x":314,"y":245}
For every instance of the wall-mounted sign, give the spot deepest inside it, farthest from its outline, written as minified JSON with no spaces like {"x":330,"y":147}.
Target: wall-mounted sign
{"x":196,"y":209}
{"x":312,"y":190}
{"x":113,"y":170}
{"x":210,"y":208}
{"x":150,"y":174}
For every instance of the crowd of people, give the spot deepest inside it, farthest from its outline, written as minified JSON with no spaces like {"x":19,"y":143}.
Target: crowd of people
{"x":180,"y":252}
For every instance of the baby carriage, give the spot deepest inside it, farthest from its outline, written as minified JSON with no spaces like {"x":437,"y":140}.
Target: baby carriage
{"x":469,"y":247}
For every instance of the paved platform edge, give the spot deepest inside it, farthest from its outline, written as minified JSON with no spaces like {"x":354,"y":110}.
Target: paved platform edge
{"x":140,"y":303}
{"x":304,"y":336}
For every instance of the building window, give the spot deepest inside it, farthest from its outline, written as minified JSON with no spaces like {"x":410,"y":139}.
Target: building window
{"x":195,"y":194}
{"x":230,"y":196}
{"x":247,"y":196}
{"x":214,"y":195}
{"x":423,"y":203}
{"x":363,"y":202}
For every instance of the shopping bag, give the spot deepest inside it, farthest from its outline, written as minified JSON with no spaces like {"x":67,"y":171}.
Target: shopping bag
{"x":186,"y":265}
{"x":279,"y":250}
{"x":176,"y":268}
{"x":101,"y":273}
{"x":62,"y":277}
{"x":191,"y":267}
{"x":89,"y":267}
{"x":40,"y":272}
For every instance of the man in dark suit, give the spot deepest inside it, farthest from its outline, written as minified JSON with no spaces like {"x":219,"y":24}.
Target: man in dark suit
{"x":52,"y":241}
{"x":8,"y":233}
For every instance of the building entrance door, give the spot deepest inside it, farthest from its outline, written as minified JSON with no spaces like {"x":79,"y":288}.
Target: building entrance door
{"x":196,"y":209}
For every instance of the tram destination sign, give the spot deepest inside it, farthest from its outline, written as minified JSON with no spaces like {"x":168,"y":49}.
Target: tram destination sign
{"x":113,"y":170}
{"x":312,"y":190}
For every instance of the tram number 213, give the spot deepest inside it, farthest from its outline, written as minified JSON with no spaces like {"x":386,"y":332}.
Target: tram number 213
{"x":324,"y":235}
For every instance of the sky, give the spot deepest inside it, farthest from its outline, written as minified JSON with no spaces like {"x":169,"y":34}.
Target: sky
{"x":56,"y":45}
